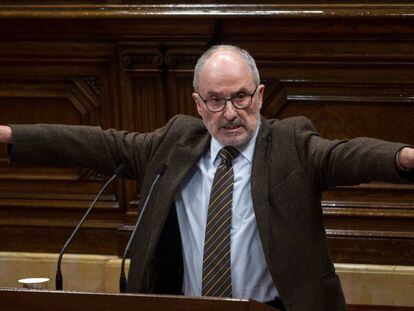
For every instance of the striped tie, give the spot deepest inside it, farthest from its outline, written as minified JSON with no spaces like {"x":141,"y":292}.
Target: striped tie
{"x":217,"y":260}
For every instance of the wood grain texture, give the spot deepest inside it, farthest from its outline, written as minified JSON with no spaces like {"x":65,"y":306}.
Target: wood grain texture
{"x":347,"y":67}
{"x":151,"y":9}
{"x":15,"y":300}
{"x":19,"y":299}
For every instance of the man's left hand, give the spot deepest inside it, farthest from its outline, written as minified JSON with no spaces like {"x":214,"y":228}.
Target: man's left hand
{"x":406,"y":158}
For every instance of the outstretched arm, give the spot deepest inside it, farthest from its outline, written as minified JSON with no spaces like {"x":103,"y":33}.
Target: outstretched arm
{"x":5,"y":134}
{"x":353,"y":161}
{"x":84,"y":146}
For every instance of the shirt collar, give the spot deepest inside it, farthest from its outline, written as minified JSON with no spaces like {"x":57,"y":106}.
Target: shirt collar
{"x":246,"y":150}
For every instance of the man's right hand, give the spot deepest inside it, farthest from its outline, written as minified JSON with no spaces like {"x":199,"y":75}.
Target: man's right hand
{"x":5,"y":134}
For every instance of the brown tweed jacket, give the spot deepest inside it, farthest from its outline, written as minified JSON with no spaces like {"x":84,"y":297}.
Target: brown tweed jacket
{"x":292,"y":165}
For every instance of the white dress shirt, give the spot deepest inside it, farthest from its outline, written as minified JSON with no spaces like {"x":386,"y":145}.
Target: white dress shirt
{"x":249,"y":273}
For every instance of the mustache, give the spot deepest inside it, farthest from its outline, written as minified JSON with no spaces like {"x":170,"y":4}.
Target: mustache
{"x":233,"y":123}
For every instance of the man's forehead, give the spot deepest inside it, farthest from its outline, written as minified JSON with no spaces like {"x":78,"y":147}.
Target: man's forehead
{"x":225,"y":69}
{"x":223,"y":59}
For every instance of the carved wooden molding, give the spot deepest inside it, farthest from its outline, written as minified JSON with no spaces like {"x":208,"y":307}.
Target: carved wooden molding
{"x":137,"y":61}
{"x":84,"y":98}
{"x":93,"y":83}
{"x":49,"y":201}
{"x":283,"y":92}
{"x":160,"y":59}
{"x":400,"y":209}
{"x":282,"y":10}
{"x":79,"y":92}
{"x":175,"y":60}
{"x":343,"y":233}
{"x":377,"y":308}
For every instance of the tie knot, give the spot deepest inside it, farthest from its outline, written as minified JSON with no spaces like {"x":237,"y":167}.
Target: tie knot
{"x":228,"y":154}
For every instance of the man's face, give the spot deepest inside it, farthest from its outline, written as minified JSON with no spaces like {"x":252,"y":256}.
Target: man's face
{"x":224,"y":75}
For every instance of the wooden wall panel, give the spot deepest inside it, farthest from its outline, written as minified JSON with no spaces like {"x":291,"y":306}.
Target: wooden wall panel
{"x":179,"y":62}
{"x":180,"y":88}
{"x":349,"y":68}
{"x":343,"y":110}
{"x":54,"y":83}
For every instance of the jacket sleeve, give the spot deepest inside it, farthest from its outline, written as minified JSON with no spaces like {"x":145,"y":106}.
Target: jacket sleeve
{"x":86,"y":146}
{"x":347,"y":162}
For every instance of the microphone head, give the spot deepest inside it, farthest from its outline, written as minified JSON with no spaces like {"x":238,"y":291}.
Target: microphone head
{"x":162,"y":169}
{"x":121,"y":171}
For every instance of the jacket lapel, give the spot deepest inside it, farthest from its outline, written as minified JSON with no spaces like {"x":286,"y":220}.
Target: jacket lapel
{"x":181,"y":162}
{"x":260,"y":184}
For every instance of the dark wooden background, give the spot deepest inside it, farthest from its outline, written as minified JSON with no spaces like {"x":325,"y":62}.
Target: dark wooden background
{"x":128,"y":64}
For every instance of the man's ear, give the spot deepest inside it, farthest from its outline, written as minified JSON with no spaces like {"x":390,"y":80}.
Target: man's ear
{"x":198,"y":103}
{"x":260,"y":94}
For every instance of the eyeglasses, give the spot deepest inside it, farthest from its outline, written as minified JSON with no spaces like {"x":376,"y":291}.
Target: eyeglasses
{"x":240,"y":101}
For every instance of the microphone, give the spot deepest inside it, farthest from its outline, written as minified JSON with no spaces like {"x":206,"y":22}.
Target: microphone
{"x":119,"y":172}
{"x":122,"y":277}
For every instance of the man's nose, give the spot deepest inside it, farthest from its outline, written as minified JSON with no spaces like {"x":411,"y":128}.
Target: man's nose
{"x":229,"y":111}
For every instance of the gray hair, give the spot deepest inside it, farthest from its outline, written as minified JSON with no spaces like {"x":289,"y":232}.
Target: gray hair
{"x":243,"y":53}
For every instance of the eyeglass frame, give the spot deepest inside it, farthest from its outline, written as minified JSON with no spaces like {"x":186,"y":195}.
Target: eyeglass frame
{"x":229,"y":99}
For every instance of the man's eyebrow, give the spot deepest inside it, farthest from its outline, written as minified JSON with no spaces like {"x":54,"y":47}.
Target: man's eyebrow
{"x":240,"y":90}
{"x":211,"y":94}
{"x":217,"y":94}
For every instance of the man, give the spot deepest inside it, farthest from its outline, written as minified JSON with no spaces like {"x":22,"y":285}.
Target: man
{"x":243,"y":222}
